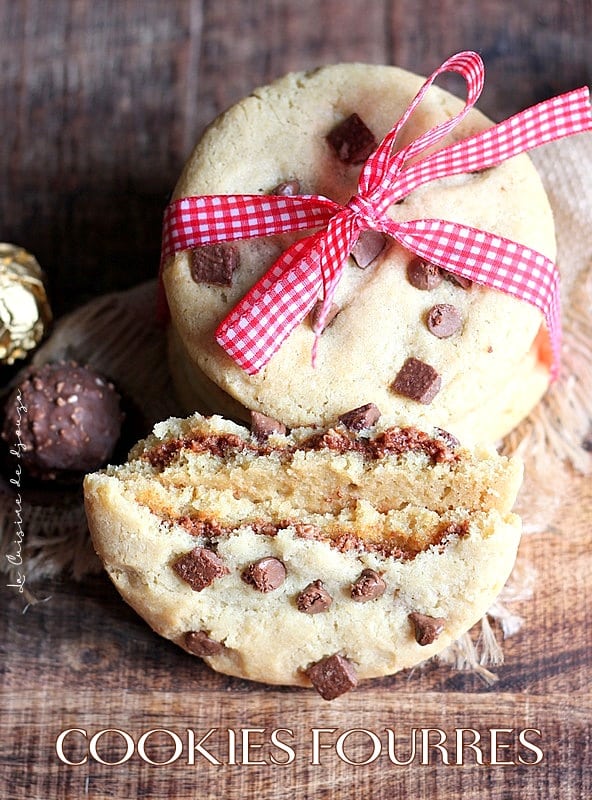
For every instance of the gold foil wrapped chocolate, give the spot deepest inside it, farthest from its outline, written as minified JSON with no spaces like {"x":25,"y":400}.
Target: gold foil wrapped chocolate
{"x":24,"y":309}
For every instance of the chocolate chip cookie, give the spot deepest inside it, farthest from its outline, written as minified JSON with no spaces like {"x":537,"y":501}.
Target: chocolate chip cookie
{"x":320,"y":556}
{"x":427,"y":347}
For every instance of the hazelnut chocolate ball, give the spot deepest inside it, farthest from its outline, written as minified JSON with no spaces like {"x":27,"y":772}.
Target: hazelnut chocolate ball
{"x":62,"y":420}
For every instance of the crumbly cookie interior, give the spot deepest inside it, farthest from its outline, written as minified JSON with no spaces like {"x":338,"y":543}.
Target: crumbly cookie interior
{"x":211,"y":477}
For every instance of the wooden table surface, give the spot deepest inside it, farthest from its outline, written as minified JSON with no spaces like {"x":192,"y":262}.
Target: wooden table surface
{"x":101,"y":103}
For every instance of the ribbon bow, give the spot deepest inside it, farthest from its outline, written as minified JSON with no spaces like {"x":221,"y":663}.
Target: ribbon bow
{"x":255,"y":329}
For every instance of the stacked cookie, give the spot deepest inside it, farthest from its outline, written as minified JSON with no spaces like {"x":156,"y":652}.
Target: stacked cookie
{"x":402,"y":333}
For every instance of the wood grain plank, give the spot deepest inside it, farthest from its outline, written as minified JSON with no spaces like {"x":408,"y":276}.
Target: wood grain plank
{"x":251,"y":43}
{"x":89,"y":158}
{"x":564,"y":740}
{"x":528,"y":54}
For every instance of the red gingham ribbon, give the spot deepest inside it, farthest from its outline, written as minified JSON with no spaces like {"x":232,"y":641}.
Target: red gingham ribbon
{"x":255,"y":329}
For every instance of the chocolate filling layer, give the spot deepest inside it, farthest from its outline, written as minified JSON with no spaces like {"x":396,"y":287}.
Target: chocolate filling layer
{"x":392,"y":441}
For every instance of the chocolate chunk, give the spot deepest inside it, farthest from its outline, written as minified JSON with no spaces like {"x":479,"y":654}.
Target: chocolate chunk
{"x":393,"y":440}
{"x":424,"y":275}
{"x":214,"y":263}
{"x":443,"y":320}
{"x":352,"y":140}
{"x":314,"y":599}
{"x":265,"y":575}
{"x":457,"y":280}
{"x":359,"y":418}
{"x":200,"y":644}
{"x":417,"y":380}
{"x":368,"y":586}
{"x":287,"y":188}
{"x":67,"y":419}
{"x":200,"y":567}
{"x":315,"y":315}
{"x":263,"y":426}
{"x":427,"y":629}
{"x":368,"y":247}
{"x":333,"y":676}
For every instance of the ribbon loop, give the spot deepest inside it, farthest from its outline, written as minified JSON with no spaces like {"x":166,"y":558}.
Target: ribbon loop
{"x":382,"y":164}
{"x":279,"y":301}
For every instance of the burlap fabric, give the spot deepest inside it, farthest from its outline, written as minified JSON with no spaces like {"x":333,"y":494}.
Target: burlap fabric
{"x":118,"y":335}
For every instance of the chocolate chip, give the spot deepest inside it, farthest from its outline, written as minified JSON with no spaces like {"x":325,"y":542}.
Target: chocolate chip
{"x":265,"y":575}
{"x":314,"y":599}
{"x":263,"y":426}
{"x":359,"y":418}
{"x":214,"y":263}
{"x":200,"y":644}
{"x":424,"y":275}
{"x":352,"y":140}
{"x":333,"y":676}
{"x":315,"y":315}
{"x":369,"y":245}
{"x":200,"y":568}
{"x":458,"y":280}
{"x":443,"y":320}
{"x":427,"y":629}
{"x":417,"y":380}
{"x":287,"y":188}
{"x":368,"y":586}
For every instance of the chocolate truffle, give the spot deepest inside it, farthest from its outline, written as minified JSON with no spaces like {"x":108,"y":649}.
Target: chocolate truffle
{"x":62,"y":420}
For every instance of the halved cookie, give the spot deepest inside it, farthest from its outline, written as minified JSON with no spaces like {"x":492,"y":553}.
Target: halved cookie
{"x":322,"y":555}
